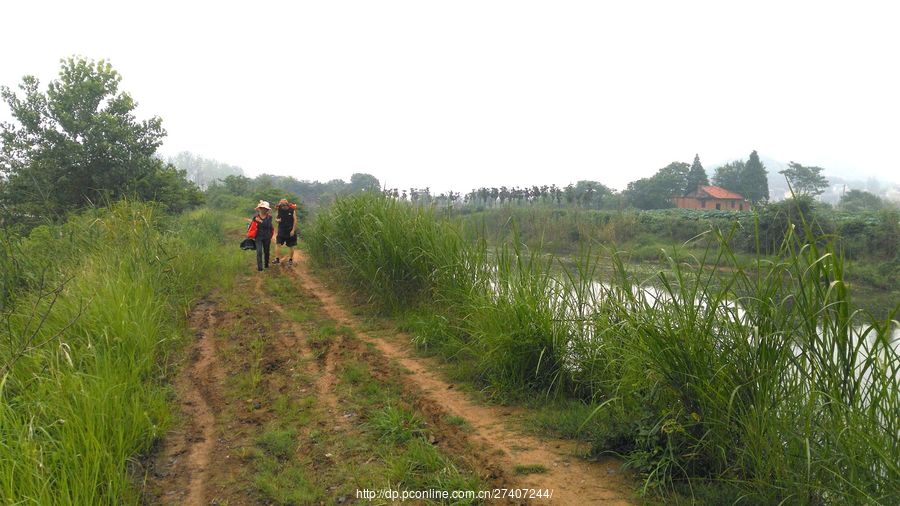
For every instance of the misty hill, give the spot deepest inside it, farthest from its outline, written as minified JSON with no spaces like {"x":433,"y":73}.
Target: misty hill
{"x":203,"y":171}
{"x":840,"y":182}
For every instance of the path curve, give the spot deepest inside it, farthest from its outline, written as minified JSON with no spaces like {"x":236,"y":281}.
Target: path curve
{"x":573,"y":480}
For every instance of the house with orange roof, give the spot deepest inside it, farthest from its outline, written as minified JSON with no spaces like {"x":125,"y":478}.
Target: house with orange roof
{"x":713,"y":197}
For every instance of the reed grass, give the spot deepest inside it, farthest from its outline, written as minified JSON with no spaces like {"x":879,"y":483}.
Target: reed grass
{"x":758,"y":383}
{"x":87,"y":396}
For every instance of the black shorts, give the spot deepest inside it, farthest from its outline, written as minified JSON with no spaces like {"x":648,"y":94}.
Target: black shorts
{"x":286,"y":238}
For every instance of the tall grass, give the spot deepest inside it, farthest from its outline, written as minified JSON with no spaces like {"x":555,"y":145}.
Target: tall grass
{"x":758,"y":383}
{"x":86,"y":394}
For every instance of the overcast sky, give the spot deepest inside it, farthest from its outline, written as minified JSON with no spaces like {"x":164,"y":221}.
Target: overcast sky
{"x":462,"y":94}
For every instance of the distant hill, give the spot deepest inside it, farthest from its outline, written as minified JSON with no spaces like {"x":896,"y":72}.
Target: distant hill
{"x":203,"y":171}
{"x":840,"y":181}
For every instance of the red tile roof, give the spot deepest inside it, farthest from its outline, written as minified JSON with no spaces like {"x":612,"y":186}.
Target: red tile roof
{"x":720,"y":193}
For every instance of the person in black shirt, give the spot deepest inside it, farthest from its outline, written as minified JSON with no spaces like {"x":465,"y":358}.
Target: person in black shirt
{"x":264,"y":232}
{"x":286,"y":216}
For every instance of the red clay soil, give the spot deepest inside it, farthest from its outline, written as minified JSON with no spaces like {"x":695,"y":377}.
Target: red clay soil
{"x":197,"y":463}
{"x":572,"y":479}
{"x":183,"y":465}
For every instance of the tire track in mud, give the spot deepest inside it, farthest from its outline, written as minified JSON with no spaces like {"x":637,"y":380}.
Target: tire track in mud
{"x":325,"y":372}
{"x":497,"y":448}
{"x":185,"y":461}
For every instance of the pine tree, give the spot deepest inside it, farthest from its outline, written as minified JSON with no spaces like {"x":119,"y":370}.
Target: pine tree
{"x":754,"y":183}
{"x":696,"y":176}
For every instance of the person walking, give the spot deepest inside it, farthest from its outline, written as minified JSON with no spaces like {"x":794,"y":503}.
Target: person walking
{"x":286,"y":216}
{"x":264,"y":230}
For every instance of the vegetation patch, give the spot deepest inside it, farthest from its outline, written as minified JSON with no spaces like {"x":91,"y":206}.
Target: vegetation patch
{"x":100,"y":305}
{"x":529,"y":469}
{"x":696,"y":373}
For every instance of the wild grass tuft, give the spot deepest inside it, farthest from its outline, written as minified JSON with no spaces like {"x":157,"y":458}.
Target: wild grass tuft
{"x":396,"y":424}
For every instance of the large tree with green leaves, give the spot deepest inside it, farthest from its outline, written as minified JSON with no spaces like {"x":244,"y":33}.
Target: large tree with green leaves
{"x":805,"y":180}
{"x":747,"y":178}
{"x":696,"y":176}
{"x":729,"y":176}
{"x":79,"y":144}
{"x":593,"y":194}
{"x":657,"y":191}
{"x":364,"y":182}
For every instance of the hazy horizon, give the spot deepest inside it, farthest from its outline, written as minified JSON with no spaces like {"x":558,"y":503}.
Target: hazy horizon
{"x":455,"y":96}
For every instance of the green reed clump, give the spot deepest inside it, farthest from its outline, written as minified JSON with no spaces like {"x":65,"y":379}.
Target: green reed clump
{"x":514,"y":334}
{"x":397,"y":254}
{"x":497,"y":306}
{"x":83,"y":392}
{"x":759,"y":383}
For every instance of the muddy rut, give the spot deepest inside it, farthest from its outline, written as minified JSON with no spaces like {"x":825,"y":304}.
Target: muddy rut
{"x":199,"y":462}
{"x":325,"y":373}
{"x":184,"y":463}
{"x":573,"y":480}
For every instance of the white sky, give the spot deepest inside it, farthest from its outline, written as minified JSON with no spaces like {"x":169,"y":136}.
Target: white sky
{"x":469,"y":93}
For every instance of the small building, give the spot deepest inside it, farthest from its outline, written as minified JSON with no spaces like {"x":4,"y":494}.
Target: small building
{"x":713,"y":197}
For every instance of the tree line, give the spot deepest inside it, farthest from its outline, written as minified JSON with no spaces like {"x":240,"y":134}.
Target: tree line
{"x":748,"y":178}
{"x":79,"y":144}
{"x":232,"y":191}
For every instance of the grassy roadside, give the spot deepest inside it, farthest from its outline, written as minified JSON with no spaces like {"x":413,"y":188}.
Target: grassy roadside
{"x":101,"y":303}
{"x":697,"y":383}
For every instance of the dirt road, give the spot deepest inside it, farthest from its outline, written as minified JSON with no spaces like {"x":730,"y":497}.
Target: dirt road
{"x":314,"y":382}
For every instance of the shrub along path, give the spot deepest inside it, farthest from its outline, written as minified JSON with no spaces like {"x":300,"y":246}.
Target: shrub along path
{"x":285,"y":399}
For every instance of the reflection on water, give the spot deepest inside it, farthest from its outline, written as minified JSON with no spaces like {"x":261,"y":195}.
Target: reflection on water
{"x":579,"y":306}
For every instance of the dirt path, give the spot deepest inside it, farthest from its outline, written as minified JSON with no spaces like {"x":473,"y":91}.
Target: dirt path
{"x":186,"y":458}
{"x":325,"y":374}
{"x":255,"y":372}
{"x":573,"y":480}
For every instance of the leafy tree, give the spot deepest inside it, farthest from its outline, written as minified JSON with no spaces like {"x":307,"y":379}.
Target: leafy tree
{"x":673,"y":179}
{"x":657,"y":191}
{"x":364,"y":182}
{"x":592,"y":194}
{"x":859,"y":200}
{"x":747,"y":178}
{"x":79,"y":143}
{"x":728,"y":176}
{"x":753,"y":181}
{"x":644,"y":194}
{"x":238,"y":185}
{"x":696,"y":176}
{"x":805,"y":180}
